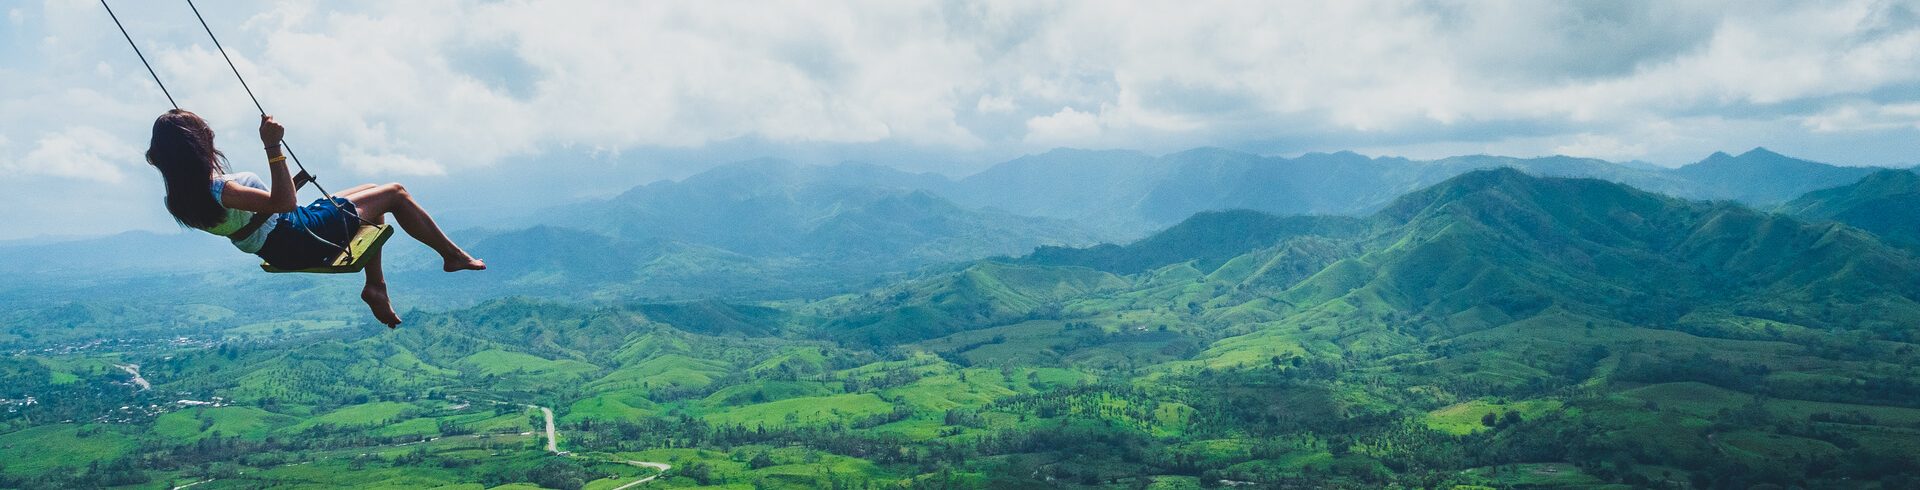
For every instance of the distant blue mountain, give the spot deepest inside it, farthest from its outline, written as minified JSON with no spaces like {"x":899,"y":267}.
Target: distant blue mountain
{"x":1133,"y":193}
{"x":873,"y":216}
{"x":1064,"y":183}
{"x":1761,"y":177}
{"x":133,"y":252}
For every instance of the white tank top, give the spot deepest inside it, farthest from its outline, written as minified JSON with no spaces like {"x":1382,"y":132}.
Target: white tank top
{"x":237,"y":219}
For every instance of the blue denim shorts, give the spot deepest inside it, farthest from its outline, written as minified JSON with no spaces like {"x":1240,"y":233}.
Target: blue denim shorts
{"x":307,"y":236}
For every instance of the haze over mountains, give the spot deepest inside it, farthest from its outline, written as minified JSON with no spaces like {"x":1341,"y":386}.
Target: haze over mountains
{"x":887,"y":220}
{"x":1153,"y":192}
{"x":768,"y":229}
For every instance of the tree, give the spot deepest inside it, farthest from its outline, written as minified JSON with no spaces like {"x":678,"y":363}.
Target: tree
{"x":559,"y":473}
{"x":1489,"y":419}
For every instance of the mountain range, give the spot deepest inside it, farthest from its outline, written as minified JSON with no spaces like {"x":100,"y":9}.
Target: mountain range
{"x":1478,"y":251}
{"x":769,"y":228}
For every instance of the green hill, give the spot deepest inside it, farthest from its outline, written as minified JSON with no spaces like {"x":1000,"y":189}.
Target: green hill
{"x":1886,"y":203}
{"x":1494,"y":247}
{"x":1209,"y":239}
{"x":986,"y":293}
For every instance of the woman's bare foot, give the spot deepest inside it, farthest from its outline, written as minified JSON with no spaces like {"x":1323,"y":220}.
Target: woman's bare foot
{"x":464,"y":263}
{"x":376,"y":297}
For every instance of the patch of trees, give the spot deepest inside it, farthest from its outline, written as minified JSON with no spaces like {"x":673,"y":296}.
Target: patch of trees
{"x":1873,"y":390}
{"x":1699,"y":367}
{"x":551,"y":472}
{"x":99,"y":474}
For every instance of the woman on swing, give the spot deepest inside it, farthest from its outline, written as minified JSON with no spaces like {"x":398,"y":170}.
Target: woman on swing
{"x":201,"y":194}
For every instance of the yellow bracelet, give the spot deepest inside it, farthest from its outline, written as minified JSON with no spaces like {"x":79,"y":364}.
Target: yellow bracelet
{"x":277,"y":159}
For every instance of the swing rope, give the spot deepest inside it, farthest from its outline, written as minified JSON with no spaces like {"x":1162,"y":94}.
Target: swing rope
{"x":256,"y":105}
{"x":263,"y":111}
{"x":143,"y":57}
{"x":256,"y":100}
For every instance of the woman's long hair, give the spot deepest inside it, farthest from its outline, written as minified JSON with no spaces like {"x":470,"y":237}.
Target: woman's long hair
{"x":182,"y":149}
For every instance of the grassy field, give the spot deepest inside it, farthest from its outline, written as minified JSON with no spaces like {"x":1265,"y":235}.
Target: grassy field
{"x":762,"y":391}
{"x":1703,"y":399}
{"x":665,"y":370}
{"x":245,"y":422}
{"x":498,"y":363}
{"x":803,"y":411}
{"x":1465,"y":418}
{"x":1760,"y":447}
{"x":962,"y":388}
{"x":369,"y":414}
{"x":69,"y":370}
{"x":619,"y":405}
{"x":42,"y":449}
{"x":1541,"y":475}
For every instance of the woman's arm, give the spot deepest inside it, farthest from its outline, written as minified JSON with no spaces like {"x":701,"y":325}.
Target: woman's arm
{"x":282,"y":198}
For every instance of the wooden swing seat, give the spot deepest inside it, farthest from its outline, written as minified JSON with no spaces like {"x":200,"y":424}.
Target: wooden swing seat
{"x":364,"y":246}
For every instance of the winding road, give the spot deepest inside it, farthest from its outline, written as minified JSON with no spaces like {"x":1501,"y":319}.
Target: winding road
{"x":553,"y":442}
{"x":553,"y":446}
{"x":134,"y":369}
{"x":663,"y":467}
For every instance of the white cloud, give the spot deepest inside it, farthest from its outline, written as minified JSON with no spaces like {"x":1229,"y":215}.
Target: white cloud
{"x":1601,"y":146}
{"x":390,"y":164}
{"x":620,"y":75}
{"x":435,"y":87}
{"x":1066,"y":127}
{"x":374,"y":151}
{"x":82,"y":153}
{"x":1865,"y":117}
{"x":992,"y":104}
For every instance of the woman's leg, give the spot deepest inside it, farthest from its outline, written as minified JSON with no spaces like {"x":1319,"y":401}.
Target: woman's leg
{"x":393,"y":198}
{"x":354,"y":189}
{"x":375,"y":292}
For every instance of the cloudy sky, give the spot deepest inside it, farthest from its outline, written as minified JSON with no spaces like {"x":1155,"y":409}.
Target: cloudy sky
{"x":495,"y":103}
